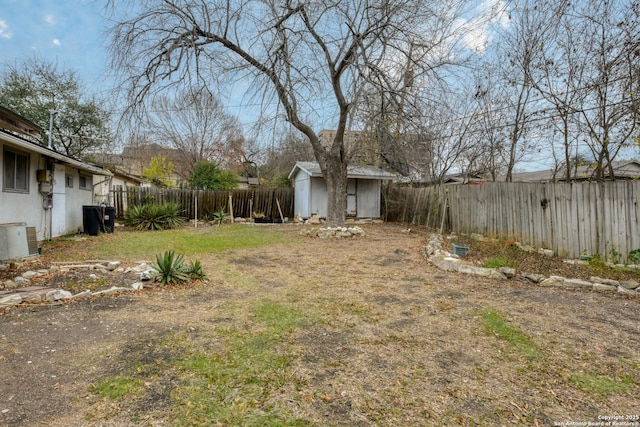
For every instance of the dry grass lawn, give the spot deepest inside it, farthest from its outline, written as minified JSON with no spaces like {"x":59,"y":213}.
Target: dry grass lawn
{"x":358,"y":332}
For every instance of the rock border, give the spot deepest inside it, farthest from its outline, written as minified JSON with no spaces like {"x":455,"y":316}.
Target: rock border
{"x":446,"y":261}
{"x":21,"y":291}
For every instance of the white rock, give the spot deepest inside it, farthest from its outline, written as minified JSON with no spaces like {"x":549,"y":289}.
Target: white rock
{"x":13,"y":299}
{"x":82,"y":294}
{"x":629,"y":284}
{"x":577,"y":283}
{"x":507,"y":271}
{"x":29,"y":274}
{"x":113,"y":265}
{"x":535,"y":278}
{"x":58,"y":294}
{"x":111,"y":290}
{"x":137,"y":286}
{"x":625,"y":291}
{"x":603,"y":287}
{"x":609,"y":282}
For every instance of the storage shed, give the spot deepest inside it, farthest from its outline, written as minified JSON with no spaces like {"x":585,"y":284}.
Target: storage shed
{"x":363,"y":190}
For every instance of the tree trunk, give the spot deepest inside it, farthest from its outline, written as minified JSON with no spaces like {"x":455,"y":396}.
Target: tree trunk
{"x":334,"y":170}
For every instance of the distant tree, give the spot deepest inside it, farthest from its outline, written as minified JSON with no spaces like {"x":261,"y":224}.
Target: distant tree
{"x":289,"y":149}
{"x":196,"y":123}
{"x":35,"y":87}
{"x":160,"y":171}
{"x":208,"y":176}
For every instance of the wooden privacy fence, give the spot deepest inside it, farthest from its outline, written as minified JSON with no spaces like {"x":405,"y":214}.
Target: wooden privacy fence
{"x":572,"y":219}
{"x":244,"y":202}
{"x":421,"y":206}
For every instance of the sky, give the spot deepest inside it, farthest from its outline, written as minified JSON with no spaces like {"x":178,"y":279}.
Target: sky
{"x":69,"y":33}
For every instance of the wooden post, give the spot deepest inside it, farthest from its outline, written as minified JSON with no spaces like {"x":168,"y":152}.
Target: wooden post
{"x":195,"y":220}
{"x":231,"y":207}
{"x":280,"y":210}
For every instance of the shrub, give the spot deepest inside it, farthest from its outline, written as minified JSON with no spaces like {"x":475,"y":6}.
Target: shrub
{"x":220,"y":216}
{"x":154,"y":216}
{"x":194,"y":270}
{"x":171,"y":268}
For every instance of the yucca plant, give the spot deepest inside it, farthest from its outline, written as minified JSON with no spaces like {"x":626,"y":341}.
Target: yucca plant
{"x":154,"y":216}
{"x":194,"y":270}
{"x":220,"y":216}
{"x":170,"y":268}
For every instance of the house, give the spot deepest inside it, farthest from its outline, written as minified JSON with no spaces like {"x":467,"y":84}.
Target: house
{"x":363,"y":190}
{"x":622,"y":170}
{"x":40,"y":189}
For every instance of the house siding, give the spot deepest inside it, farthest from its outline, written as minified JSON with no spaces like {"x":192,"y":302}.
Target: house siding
{"x":18,"y":207}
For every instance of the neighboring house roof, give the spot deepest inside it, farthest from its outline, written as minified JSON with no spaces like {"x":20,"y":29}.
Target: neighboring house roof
{"x":622,"y":169}
{"x":16,"y":123}
{"x":33,"y":147}
{"x":353,"y":171}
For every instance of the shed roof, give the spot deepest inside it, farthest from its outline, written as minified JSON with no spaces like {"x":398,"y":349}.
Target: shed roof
{"x":353,"y":171}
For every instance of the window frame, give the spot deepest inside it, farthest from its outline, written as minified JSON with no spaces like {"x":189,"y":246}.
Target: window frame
{"x":88,"y":182}
{"x":17,"y":154}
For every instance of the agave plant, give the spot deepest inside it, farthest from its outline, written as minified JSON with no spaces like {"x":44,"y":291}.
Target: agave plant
{"x":170,"y":268}
{"x":194,"y":270}
{"x":154,"y":216}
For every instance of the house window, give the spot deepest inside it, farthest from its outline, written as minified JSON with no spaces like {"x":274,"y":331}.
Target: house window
{"x":16,"y":171}
{"x":85,"y":182}
{"x":69,"y":181}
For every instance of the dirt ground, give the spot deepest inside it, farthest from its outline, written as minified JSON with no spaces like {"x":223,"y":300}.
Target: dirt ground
{"x":399,"y":343}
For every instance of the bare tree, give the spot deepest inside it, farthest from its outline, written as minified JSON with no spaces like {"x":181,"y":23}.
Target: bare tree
{"x":196,"y":124}
{"x":609,"y":111}
{"x":315,"y":58}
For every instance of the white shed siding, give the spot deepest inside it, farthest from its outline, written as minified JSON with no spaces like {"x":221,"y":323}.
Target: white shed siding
{"x":302,"y":188}
{"x":368,"y":198}
{"x":318,"y":197}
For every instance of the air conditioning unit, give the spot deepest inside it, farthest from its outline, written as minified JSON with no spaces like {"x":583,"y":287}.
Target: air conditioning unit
{"x":17,"y":241}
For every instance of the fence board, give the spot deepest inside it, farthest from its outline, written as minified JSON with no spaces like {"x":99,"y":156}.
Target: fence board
{"x":569,"y":218}
{"x":262,"y":201}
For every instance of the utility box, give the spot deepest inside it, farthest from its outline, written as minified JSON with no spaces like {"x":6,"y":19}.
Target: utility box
{"x":14,"y":242}
{"x":43,"y":175}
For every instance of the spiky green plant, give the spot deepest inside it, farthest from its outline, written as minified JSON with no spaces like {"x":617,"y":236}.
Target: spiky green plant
{"x":220,"y":216}
{"x":154,"y":216}
{"x":170,"y":268}
{"x":194,"y":270}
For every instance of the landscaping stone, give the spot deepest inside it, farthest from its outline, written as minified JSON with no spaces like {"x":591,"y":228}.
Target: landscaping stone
{"x":137,"y":286}
{"x":21,"y":281}
{"x":629,"y":284}
{"x":576,"y":283}
{"x":533,"y":277}
{"x":112,"y":290}
{"x":602,"y":287}
{"x":626,"y":291}
{"x":58,"y":294}
{"x":30,"y":274}
{"x":508,"y":272}
{"x":9,"y":300}
{"x":82,"y":294}
{"x":546,"y":252}
{"x":10,"y":284}
{"x":552,"y":281}
{"x":111,"y":266}
{"x":32,"y":297}
{"x":609,"y":282}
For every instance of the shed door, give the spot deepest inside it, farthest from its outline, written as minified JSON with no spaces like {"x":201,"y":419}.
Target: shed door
{"x":352,"y":207}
